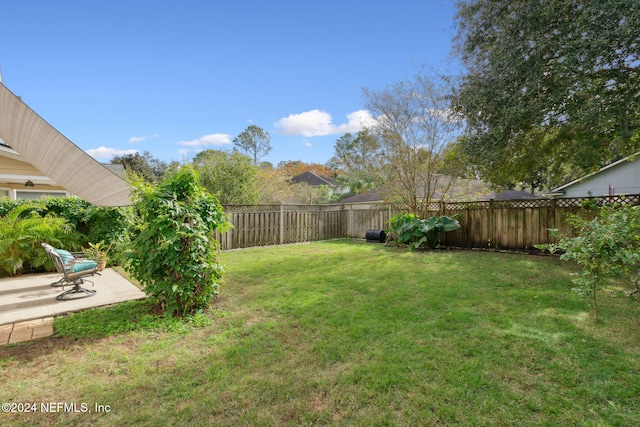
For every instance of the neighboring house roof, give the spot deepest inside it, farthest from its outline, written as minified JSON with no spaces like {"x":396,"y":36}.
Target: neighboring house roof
{"x":509,"y":195}
{"x":458,"y":189}
{"x":313,"y":180}
{"x":39,"y":144}
{"x":605,"y":169}
{"x":367,"y":196}
{"x":462,"y":190}
{"x":117,"y":168}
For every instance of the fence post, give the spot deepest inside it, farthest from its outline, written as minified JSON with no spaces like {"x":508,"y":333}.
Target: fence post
{"x":552,"y":220}
{"x":281,"y":224}
{"x":491,"y":224}
{"x":321,"y":235}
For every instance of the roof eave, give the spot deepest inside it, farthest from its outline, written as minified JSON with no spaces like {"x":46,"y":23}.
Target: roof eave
{"x":53,"y":154}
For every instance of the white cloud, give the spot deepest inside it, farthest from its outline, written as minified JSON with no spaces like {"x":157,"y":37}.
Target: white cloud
{"x":135,"y":139}
{"x":307,"y":143}
{"x":358,"y":120}
{"x":215,"y":139}
{"x":320,"y":123}
{"x":103,"y":152}
{"x":310,"y":123}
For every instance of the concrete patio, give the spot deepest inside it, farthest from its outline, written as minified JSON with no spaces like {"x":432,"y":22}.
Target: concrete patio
{"x":28,"y":303}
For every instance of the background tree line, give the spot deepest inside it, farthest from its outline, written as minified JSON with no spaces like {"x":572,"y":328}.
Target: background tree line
{"x":238,"y":176}
{"x":549,"y":91}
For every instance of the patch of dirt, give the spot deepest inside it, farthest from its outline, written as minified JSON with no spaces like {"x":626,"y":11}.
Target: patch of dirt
{"x":28,"y":351}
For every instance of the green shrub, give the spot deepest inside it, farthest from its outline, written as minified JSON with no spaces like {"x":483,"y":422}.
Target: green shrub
{"x":7,"y":205}
{"x":111,"y":225}
{"x":605,"y":247}
{"x":174,"y":254}
{"x":97,"y":223}
{"x":93,"y":224}
{"x":76,"y":211}
{"x":407,"y":229}
{"x":22,"y":231}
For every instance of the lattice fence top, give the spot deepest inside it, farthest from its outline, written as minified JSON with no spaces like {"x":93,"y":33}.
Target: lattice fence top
{"x":278,"y":208}
{"x":522,"y":204}
{"x":460,"y":206}
{"x":250,"y":208}
{"x":633,"y":199}
{"x":365,"y":206}
{"x":546,"y":203}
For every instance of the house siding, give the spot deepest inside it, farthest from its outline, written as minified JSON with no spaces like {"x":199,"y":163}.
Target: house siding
{"x":12,"y":170}
{"x":624,"y":178}
{"x":15,"y":167}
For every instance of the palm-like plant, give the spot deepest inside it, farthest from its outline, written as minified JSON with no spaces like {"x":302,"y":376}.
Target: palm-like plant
{"x":22,"y":231}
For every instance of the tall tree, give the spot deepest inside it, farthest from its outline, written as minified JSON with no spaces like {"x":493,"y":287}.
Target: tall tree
{"x":549,"y":85}
{"x":254,"y":142}
{"x":144,"y":165}
{"x":357,"y":157}
{"x":414,"y":127}
{"x":230,"y":176}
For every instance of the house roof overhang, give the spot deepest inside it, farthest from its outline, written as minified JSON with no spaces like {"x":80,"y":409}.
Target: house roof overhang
{"x":561,"y":190}
{"x":27,"y":172}
{"x":37,"y":142}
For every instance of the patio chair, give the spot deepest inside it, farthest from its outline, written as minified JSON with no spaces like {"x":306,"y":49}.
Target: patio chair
{"x":67,"y":256}
{"x":74,"y":270}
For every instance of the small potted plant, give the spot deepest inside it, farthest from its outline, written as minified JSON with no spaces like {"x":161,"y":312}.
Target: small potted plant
{"x":100,"y":253}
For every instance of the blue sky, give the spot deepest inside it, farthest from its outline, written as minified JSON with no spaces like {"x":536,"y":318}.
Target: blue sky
{"x":177,"y":77}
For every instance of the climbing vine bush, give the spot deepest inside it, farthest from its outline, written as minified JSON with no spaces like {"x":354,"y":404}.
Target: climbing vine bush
{"x":173,"y":252}
{"x":604,"y":247}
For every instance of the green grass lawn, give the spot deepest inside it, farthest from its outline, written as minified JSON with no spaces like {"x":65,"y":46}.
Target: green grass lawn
{"x":348,"y":333}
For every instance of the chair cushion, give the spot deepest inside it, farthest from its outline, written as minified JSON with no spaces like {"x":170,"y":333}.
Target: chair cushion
{"x":65,"y":255}
{"x":82,"y":266}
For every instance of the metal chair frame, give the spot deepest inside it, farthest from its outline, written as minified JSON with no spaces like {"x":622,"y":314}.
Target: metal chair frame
{"x":75,"y":279}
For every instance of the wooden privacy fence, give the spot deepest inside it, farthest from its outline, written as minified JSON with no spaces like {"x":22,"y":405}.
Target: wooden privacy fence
{"x":520,"y":224}
{"x":514,"y":224}
{"x":259,"y":225}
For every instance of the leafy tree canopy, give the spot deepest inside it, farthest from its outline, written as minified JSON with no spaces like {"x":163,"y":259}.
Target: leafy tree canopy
{"x":549,"y":85}
{"x":274,"y":186}
{"x":254,"y":142}
{"x":230,"y":176}
{"x":150,"y":168}
{"x":357,"y":158}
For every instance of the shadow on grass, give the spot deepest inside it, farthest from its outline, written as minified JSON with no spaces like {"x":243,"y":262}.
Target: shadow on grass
{"x":117,"y":319}
{"x":87,"y":327}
